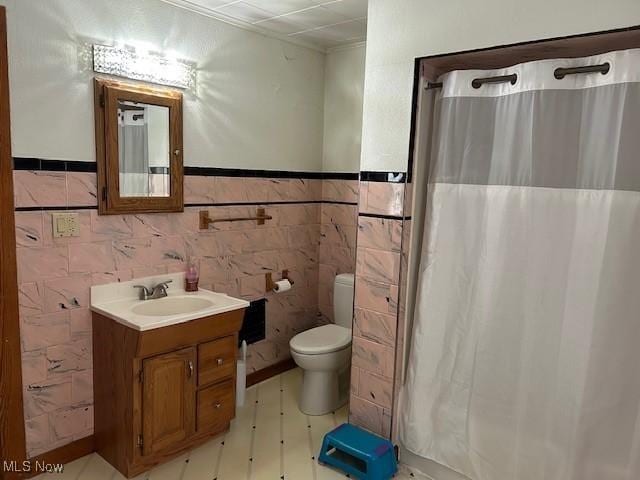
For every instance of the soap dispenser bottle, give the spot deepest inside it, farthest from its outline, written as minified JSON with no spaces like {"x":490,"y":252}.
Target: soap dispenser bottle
{"x":192,"y":275}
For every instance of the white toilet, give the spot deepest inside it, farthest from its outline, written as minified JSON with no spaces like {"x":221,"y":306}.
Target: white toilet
{"x":324,"y":354}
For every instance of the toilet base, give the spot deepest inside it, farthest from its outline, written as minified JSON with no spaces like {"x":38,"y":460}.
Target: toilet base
{"x":320,"y":393}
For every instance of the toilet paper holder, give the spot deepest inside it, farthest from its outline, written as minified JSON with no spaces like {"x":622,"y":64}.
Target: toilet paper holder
{"x":270,"y":284}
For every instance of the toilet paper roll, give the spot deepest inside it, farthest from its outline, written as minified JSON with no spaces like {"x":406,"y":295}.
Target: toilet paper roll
{"x":282,"y":286}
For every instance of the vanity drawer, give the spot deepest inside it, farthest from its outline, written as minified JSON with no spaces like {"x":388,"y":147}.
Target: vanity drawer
{"x":216,"y":360}
{"x":216,"y":406}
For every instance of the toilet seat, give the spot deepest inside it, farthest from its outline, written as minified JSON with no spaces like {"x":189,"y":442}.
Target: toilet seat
{"x":319,"y":340}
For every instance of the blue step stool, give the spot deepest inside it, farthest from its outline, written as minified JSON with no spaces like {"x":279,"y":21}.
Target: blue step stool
{"x":361,"y":454}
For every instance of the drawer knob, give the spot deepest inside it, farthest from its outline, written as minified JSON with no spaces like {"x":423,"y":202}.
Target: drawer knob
{"x":219,"y":361}
{"x":218,"y":405}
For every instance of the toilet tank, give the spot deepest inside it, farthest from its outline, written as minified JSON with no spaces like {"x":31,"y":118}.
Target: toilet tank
{"x":343,"y":300}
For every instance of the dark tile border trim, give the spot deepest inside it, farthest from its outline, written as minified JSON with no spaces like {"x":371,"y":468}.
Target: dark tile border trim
{"x":241,"y":172}
{"x":194,"y":205}
{"x":21,"y":163}
{"x":24,"y":163}
{"x":389,"y":177}
{"x":385,"y":217}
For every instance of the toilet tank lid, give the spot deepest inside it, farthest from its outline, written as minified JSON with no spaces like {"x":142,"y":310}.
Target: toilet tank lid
{"x":345,"y":278}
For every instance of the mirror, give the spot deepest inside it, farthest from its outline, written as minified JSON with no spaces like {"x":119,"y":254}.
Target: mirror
{"x":143,"y":149}
{"x":139,"y":148}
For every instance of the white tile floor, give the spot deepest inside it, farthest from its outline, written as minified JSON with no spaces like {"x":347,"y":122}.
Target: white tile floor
{"x":270,"y":439}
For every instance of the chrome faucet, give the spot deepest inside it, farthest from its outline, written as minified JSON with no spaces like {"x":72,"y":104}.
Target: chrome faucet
{"x":158,"y":291}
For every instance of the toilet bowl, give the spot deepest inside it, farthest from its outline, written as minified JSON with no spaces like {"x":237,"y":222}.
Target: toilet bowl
{"x":324,"y":355}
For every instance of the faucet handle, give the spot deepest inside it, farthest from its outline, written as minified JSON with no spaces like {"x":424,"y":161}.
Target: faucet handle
{"x":166,"y":283}
{"x":144,"y":291}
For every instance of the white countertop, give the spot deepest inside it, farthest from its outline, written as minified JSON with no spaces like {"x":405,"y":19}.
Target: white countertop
{"x":119,"y":300}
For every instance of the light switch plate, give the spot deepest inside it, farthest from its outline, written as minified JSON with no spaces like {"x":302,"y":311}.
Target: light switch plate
{"x":65,"y":225}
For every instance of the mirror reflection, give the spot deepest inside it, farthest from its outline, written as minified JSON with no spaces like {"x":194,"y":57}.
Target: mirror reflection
{"x":143,"y":148}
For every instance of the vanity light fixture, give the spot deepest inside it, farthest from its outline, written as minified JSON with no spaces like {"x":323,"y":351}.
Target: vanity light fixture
{"x":148,"y":67}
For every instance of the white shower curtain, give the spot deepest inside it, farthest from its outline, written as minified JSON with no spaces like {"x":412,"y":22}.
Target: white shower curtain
{"x":525,"y":353}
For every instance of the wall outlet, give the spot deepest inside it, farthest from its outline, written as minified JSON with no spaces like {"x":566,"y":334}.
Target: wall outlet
{"x":65,"y":225}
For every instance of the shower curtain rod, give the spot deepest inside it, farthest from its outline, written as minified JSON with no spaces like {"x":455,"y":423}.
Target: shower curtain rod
{"x":558,"y":73}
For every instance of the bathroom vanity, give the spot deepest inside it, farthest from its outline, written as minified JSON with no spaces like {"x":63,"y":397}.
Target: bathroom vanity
{"x":164,"y":371}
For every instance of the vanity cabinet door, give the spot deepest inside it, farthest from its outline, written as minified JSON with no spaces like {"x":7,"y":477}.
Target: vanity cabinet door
{"x":168,"y":400}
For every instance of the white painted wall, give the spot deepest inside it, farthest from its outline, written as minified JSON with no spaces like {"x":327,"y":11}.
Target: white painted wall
{"x":343,"y":96}
{"x":259,"y":101}
{"x":401,"y":30}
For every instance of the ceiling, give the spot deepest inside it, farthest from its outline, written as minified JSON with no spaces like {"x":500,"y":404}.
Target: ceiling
{"x":322,"y":23}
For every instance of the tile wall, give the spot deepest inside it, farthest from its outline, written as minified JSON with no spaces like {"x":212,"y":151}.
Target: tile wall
{"x":381,"y":224}
{"x":312,"y":234}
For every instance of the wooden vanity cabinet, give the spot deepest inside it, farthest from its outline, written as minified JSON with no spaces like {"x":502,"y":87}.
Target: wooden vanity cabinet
{"x":158,"y":393}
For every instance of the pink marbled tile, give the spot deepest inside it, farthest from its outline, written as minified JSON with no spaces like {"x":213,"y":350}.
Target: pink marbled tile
{"x":265,"y":239}
{"x":342,"y":258}
{"x":257,"y":189}
{"x":39,"y":188}
{"x":231,"y":242}
{"x":203,"y":245}
{"x":237,"y":189}
{"x":91,"y":257}
{"x":340,"y":190}
{"x":69,"y":357}
{"x":165,"y":224}
{"x":278,"y":190}
{"x":148,"y":271}
{"x":82,"y":189}
{"x":215,"y":269}
{"x":47,"y":396}
{"x":375,"y":388}
{"x":252,"y":264}
{"x":34,"y":367}
{"x":67,"y":293}
{"x":80,"y":323}
{"x":305,"y":189}
{"x":265,"y":353}
{"x":378,"y":265}
{"x":380,"y":233}
{"x":110,"y":227}
{"x":252,"y":287}
{"x":375,"y":326}
{"x":28,"y":229}
{"x":327,"y":273}
{"x":303,"y":235}
{"x":199,"y":189}
{"x":30,"y":298}
{"x":387,"y":423}
{"x":102,"y":277}
{"x":355,"y":380}
{"x":373,"y":357}
{"x":365,"y":414}
{"x":82,"y":386}
{"x":40,"y":263}
{"x":325,"y":294}
{"x":37,"y":435}
{"x":340,"y":235}
{"x":382,"y":198}
{"x":41,"y":331}
{"x":299,"y":214}
{"x":68,"y":422}
{"x":131,"y":253}
{"x":376,"y":296}
{"x":339,"y":214}
{"x":230,"y":287}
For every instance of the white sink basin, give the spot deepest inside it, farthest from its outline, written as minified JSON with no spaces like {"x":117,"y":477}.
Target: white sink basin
{"x":120,"y":302}
{"x":173,"y":305}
